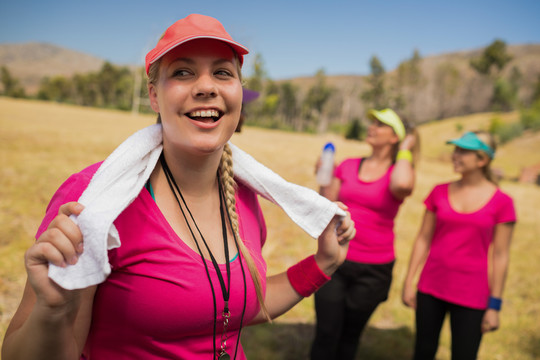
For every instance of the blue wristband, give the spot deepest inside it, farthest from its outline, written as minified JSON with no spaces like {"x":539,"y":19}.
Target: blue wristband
{"x":494,"y":303}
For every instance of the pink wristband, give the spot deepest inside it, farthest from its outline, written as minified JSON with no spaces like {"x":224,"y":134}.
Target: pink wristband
{"x":306,"y":277}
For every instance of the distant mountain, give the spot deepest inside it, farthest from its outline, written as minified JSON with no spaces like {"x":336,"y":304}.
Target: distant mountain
{"x":445,"y":84}
{"x":30,"y":62}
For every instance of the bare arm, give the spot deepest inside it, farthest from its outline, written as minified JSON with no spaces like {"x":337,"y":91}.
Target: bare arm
{"x":499,"y":269}
{"x":418,"y":257}
{"x":51,"y":322}
{"x":403,"y":177}
{"x":38,"y":331}
{"x":331,"y":252}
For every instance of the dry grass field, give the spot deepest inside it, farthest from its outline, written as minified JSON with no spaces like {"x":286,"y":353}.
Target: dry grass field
{"x":41,"y":144}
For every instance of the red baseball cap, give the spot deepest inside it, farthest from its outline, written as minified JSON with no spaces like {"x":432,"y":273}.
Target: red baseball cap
{"x":193,"y":27}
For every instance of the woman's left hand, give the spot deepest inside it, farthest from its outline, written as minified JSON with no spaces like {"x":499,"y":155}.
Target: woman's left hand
{"x":490,"y":322}
{"x":334,"y":242}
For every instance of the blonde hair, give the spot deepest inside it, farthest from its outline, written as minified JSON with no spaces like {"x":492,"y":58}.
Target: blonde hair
{"x":229,"y":188}
{"x":489,"y":139}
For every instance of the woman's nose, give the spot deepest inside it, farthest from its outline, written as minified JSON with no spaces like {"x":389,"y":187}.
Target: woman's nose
{"x":205,"y":86}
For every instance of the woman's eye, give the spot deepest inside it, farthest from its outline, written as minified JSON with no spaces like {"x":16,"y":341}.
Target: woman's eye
{"x":226,"y":73}
{"x":180,"y":73}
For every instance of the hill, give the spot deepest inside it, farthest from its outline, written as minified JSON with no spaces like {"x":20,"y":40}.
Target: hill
{"x":443,"y":86}
{"x":30,"y":62}
{"x":446,"y":86}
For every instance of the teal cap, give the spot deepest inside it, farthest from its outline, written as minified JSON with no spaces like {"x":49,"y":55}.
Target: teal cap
{"x":470,"y":141}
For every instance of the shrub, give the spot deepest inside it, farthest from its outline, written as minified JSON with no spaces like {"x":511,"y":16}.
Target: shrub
{"x":503,"y":131}
{"x":355,"y":131}
{"x":530,"y":118}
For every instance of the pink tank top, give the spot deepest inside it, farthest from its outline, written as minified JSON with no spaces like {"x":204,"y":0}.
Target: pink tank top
{"x":373,"y":209}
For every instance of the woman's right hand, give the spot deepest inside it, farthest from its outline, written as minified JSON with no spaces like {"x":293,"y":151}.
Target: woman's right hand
{"x":408,"y":142}
{"x":61,"y":244}
{"x":408,"y":296}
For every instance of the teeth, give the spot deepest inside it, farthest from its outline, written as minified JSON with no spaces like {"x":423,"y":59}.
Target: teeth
{"x":204,"y":113}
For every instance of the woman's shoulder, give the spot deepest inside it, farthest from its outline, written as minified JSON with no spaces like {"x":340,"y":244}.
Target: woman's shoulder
{"x":82,"y":178}
{"x":70,"y":190}
{"x":245,"y":196}
{"x":90,"y":170}
{"x":441,"y":187}
{"x":87,"y":172}
{"x":349,"y":162}
{"x":503,"y":197}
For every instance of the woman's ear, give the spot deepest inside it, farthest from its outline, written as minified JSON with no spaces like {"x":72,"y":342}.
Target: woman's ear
{"x":152,"y":95}
{"x":395,"y":139}
{"x":483,"y":159}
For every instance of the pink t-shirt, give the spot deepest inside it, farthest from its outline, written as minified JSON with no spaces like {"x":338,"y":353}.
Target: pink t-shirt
{"x":456,"y":269}
{"x":373,"y":209}
{"x":157,"y":302}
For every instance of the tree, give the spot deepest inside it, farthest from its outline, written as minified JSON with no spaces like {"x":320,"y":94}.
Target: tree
{"x":316,"y":98}
{"x":355,"y":130}
{"x":256,"y":80}
{"x":408,"y":72}
{"x":10,"y":84}
{"x":504,"y":95}
{"x":375,"y":97}
{"x":408,"y":80}
{"x":271,"y":100}
{"x":494,"y":56}
{"x":447,"y":79}
{"x":58,"y":88}
{"x":491,"y":63}
{"x":115,"y":86}
{"x":86,"y":89}
{"x":536,"y":91}
{"x":288,"y":103}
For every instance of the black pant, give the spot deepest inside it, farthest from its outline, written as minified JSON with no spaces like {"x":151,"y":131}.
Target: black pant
{"x":344,"y":305}
{"x":465,"y":325}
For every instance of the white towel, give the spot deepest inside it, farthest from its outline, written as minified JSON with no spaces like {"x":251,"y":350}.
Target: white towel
{"x":120,"y":178}
{"x":304,"y":206}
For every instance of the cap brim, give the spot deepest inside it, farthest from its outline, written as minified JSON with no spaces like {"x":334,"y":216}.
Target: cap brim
{"x":394,"y":122}
{"x":470,"y":141}
{"x":239,"y":49}
{"x":462,"y":144}
{"x":373,"y":115}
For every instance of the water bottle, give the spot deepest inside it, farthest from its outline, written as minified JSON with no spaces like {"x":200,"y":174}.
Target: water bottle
{"x":326,"y":170}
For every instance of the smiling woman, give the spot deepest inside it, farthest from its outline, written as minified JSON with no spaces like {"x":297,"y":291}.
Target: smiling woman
{"x":196,"y":89}
{"x":189,"y":273}
{"x":463,"y":249}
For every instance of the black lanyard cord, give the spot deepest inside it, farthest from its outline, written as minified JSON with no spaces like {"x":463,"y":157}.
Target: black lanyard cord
{"x":224,"y":289}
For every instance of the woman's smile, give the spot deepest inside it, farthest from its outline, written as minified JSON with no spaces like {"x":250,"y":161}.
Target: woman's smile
{"x":206,"y":119}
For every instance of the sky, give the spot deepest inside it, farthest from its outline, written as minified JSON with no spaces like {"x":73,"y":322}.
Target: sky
{"x":293,"y":38}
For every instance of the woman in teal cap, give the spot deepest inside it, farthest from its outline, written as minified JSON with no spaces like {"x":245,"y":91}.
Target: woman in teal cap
{"x":465,"y":221}
{"x":373,"y":188}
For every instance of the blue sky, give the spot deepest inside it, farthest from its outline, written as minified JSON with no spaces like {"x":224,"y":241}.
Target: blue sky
{"x":294,"y":38}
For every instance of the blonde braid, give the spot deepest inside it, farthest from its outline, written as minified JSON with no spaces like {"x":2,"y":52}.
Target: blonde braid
{"x":229,"y":187}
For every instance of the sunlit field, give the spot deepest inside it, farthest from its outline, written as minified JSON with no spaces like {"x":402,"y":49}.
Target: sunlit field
{"x":41,"y":144}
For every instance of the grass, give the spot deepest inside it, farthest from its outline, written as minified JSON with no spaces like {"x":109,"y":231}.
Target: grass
{"x":43,"y":143}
